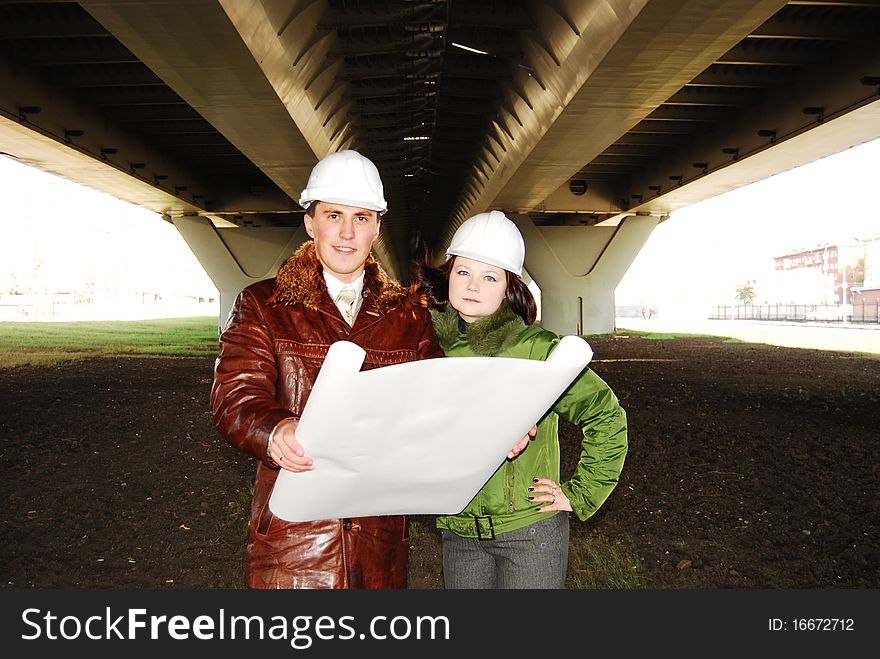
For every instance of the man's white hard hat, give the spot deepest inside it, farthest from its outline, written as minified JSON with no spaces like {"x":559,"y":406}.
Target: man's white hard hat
{"x":345,"y":177}
{"x":490,"y":238}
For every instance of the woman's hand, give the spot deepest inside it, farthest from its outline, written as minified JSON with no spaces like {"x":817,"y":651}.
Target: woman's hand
{"x":523,"y":443}
{"x":549,"y":492}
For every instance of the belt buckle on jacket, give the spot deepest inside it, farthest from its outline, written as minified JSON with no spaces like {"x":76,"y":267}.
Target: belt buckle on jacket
{"x":491,"y":534}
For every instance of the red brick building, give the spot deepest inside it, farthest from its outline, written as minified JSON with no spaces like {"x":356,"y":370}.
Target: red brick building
{"x":843,"y":267}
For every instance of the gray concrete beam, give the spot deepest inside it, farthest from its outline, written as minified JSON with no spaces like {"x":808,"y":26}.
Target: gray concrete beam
{"x":49,"y":129}
{"x":296,"y":60}
{"x":195,"y":48}
{"x":623,"y":64}
{"x":236,"y":258}
{"x":844,"y":111}
{"x":36,"y":124}
{"x":243,"y":65}
{"x":578,"y":269}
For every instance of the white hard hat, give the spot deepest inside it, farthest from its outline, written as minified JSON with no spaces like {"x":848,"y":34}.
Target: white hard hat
{"x":490,"y":238}
{"x":345,"y":177}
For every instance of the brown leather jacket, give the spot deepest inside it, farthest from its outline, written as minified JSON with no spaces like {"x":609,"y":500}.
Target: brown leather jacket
{"x":271,"y":350}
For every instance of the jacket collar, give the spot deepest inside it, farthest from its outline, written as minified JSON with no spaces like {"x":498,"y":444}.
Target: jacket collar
{"x":487,"y":336}
{"x":300,"y":280}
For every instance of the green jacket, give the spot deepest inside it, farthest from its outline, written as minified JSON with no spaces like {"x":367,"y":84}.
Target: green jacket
{"x":502,"y":504}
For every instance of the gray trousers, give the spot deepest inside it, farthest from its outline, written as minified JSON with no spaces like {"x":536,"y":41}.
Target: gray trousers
{"x":534,"y":556}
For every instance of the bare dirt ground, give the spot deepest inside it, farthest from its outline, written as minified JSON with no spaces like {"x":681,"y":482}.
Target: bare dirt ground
{"x":750,"y":466}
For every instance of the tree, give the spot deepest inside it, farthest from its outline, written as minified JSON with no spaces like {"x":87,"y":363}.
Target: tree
{"x":855,"y":273}
{"x":745,"y":293}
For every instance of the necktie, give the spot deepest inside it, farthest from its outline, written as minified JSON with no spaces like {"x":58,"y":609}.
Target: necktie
{"x":345,"y":302}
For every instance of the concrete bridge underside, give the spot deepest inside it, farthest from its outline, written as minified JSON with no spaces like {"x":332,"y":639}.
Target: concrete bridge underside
{"x":587,"y":122}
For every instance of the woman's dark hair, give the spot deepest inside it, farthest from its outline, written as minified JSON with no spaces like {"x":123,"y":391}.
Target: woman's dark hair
{"x":435,"y":284}
{"x":521,"y":299}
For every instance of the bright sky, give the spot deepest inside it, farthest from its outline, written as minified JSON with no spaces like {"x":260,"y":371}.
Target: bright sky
{"x":62,"y":235}
{"x":75,"y":234}
{"x":700,"y":254}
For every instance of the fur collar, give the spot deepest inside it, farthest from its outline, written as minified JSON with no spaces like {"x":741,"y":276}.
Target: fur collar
{"x":487,"y":336}
{"x":300,"y":280}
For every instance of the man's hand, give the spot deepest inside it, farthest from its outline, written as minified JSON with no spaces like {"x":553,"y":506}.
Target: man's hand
{"x":521,"y":444}
{"x":286,"y":451}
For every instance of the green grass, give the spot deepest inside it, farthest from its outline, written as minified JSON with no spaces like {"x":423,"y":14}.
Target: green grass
{"x":43,"y":344}
{"x":595,"y":561}
{"x":667,"y":336}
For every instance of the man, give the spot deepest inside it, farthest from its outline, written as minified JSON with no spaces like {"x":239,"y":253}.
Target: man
{"x":271,"y":350}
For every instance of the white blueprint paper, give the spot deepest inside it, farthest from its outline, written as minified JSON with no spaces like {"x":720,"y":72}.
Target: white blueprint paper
{"x":415,"y":438}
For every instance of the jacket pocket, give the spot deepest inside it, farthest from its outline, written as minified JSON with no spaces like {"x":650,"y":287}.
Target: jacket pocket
{"x":265,"y":519}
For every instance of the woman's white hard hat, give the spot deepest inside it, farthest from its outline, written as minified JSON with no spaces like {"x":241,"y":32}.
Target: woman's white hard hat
{"x":490,"y":238}
{"x":345,"y":177}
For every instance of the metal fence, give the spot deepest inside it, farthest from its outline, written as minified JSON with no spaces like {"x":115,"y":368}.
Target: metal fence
{"x":865,"y":312}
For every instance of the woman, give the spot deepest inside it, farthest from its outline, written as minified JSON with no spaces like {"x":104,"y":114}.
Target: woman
{"x":514,"y":532}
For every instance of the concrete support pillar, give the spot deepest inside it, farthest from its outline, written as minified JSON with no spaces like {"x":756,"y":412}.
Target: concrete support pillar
{"x":578,"y":269}
{"x":237,"y":257}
